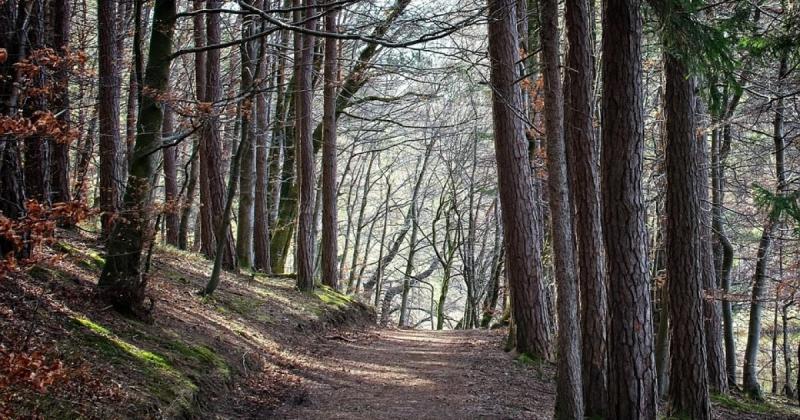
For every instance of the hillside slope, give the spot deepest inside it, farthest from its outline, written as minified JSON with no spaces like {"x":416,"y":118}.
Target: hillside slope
{"x":63,"y":354}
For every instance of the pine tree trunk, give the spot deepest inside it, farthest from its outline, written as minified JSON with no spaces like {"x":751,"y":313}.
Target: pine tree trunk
{"x":584,"y":163}
{"x":520,"y":224}
{"x":631,"y":366}
{"x":109,"y":173}
{"x":569,"y":392}
{"x":59,"y":104}
{"x":688,"y":388}
{"x":212,"y":177}
{"x":306,"y":178}
{"x":330,"y":231}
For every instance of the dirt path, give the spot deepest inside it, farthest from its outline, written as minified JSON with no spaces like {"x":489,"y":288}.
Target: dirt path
{"x":393,"y":374}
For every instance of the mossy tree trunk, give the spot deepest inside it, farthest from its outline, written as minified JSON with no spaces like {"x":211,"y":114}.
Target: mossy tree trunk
{"x":122,"y":283}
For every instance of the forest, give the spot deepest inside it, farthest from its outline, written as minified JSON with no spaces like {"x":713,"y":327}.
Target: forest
{"x":359,"y":209}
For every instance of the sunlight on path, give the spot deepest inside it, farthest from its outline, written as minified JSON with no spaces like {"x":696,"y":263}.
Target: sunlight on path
{"x":399,"y":374}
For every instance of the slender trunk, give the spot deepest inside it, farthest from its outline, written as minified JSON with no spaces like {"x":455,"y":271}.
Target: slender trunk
{"x":381,"y":267}
{"x":306,"y":178}
{"x":109,"y":173}
{"x":330,"y":236}
{"x":583,"y":160}
{"x":187,"y":215}
{"x":247,"y":165}
{"x":59,"y":104}
{"x":171,"y":199}
{"x":359,"y":225}
{"x":751,"y":385}
{"x":569,"y":391}
{"x":261,"y":231}
{"x":212,"y":177}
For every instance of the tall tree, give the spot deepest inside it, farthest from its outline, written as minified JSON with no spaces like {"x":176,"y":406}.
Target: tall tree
{"x":13,"y":27}
{"x":261,"y":230}
{"x":330,"y":273}
{"x":122,"y":282}
{"x":751,"y":385}
{"x":631,"y":367}
{"x":59,"y":149}
{"x":688,"y":387}
{"x":212,"y":179}
{"x":247,"y":127}
{"x":569,"y":392}
{"x":171,"y":199}
{"x":523,"y":257}
{"x":306,"y":178}
{"x":583,"y":156}
{"x":110,"y":171}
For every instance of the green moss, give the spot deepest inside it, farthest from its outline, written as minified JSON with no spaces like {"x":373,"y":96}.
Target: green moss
{"x":164,"y":382}
{"x":89,"y":259}
{"x":332,"y":297}
{"x":745,"y":404}
{"x":111,"y":339}
{"x":536,"y":363}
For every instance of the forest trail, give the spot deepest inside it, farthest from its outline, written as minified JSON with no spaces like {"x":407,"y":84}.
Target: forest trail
{"x":416,"y":374}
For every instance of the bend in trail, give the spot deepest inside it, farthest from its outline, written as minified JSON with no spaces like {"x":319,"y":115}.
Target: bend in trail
{"x":415,"y":374}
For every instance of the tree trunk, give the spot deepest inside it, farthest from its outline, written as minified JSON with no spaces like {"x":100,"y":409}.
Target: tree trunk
{"x":330,"y":274}
{"x":212,"y":178}
{"x":247,"y":165}
{"x":171,"y":196}
{"x":583,"y":161}
{"x":520,"y":224}
{"x":688,"y":388}
{"x":13,"y":27}
{"x":121,"y":282}
{"x":261,"y":230}
{"x":306,"y":178}
{"x":751,"y":385}
{"x":59,"y":104}
{"x":109,"y":173}
{"x":569,"y":392}
{"x":630,"y":366}
{"x":37,"y":146}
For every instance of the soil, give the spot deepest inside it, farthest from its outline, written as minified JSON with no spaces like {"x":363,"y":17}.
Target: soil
{"x":415,"y":374}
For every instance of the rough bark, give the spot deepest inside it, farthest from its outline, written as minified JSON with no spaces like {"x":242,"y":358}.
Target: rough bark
{"x":569,"y":392}
{"x":122,"y":282}
{"x":261,"y":230}
{"x":212,"y":178}
{"x":688,"y":388}
{"x":584,"y":163}
{"x":330,"y":273}
{"x":109,"y":173}
{"x":59,"y":104}
{"x":306,"y":178}
{"x":631,"y":368}
{"x":520,"y":224}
